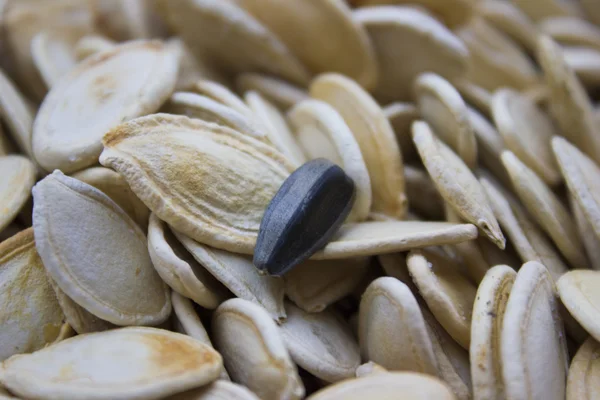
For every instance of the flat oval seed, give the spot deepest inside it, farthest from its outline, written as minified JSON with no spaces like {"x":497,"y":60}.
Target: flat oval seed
{"x":303,"y":216}
{"x":222,"y":94}
{"x":533,"y":347}
{"x":529,"y":241}
{"x":17,"y":177}
{"x":486,"y":327}
{"x":30,"y":315}
{"x":321,"y":343}
{"x":69,"y":213}
{"x":590,"y":240}
{"x":585,"y":63}
{"x":538,"y":10}
{"x":448,"y":294}
{"x":16,"y":113}
{"x":179,"y":269}
{"x":323,"y":133}
{"x":475,"y":95}
{"x":280,"y":92}
{"x":584,"y":372}
{"x":218,"y":390}
{"x":581,"y":175}
{"x":53,"y":53}
{"x":115,"y":186}
{"x":387,"y":386}
{"x":302,"y":27}
{"x":275,"y":127}
{"x":374,"y":135}
{"x":314,"y":285}
{"x":547,"y":210}
{"x":456,"y":183}
{"x":129,"y":81}
{"x":571,"y":31}
{"x":422,"y":194}
{"x":247,"y":337}
{"x":401,"y":116}
{"x":238,"y":41}
{"x":91,"y":44}
{"x":579,"y":292}
{"x":201,"y":107}
{"x":568,"y":101}
{"x":81,"y":320}
{"x":527,"y":132}
{"x":214,"y":173}
{"x":442,"y":107}
{"x":403,"y":33}
{"x":392,"y":331}
{"x":119,"y":364}
{"x":237,"y":273}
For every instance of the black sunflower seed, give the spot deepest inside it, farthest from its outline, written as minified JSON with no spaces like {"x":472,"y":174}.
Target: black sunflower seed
{"x":303,"y":216}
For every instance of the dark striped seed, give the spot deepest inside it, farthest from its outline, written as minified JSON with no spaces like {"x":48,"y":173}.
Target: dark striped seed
{"x":306,"y":212}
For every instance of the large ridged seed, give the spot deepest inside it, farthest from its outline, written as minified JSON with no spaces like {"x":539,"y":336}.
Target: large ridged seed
{"x":304,"y":214}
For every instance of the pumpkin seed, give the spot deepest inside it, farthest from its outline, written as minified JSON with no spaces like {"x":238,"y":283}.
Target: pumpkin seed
{"x":571,"y":31}
{"x":540,"y":9}
{"x":442,"y":107}
{"x":578,"y":292}
{"x":321,"y":343}
{"x":347,"y":49}
{"x":104,"y":90}
{"x":399,"y":33}
{"x":401,"y":116}
{"x":547,"y":210}
{"x":322,"y":132}
{"x":218,"y":390}
{"x":53,"y":53}
{"x":392,"y":385}
{"x":222,"y":94}
{"x":204,"y":161}
{"x":246,"y":336}
{"x":374,"y":135}
{"x":16,"y":113}
{"x":568,"y":101}
{"x":67,"y":213}
{"x":392,"y":331}
{"x":179,"y":269}
{"x":92,"y":44}
{"x":456,"y":183}
{"x":448,"y":294}
{"x":533,"y":337}
{"x":30,"y":316}
{"x":583,"y":372}
{"x":280,"y":92}
{"x":166,"y":363}
{"x":236,"y":40}
{"x":486,"y":327}
{"x":17,"y":176}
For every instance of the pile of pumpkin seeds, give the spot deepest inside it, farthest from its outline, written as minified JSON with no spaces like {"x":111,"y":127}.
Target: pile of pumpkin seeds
{"x":141,"y":142}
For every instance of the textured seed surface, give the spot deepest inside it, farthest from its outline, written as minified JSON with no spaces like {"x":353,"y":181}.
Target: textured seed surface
{"x":305,"y":213}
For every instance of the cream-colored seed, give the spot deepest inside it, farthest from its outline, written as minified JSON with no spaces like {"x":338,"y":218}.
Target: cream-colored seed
{"x":143,"y":143}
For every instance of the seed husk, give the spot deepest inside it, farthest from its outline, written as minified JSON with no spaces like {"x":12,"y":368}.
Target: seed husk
{"x":448,"y":294}
{"x":486,"y":327}
{"x":222,"y":94}
{"x":246,"y":336}
{"x":392,"y":331}
{"x":525,"y":127}
{"x":456,"y":183}
{"x":321,"y":343}
{"x":53,"y":53}
{"x":529,"y":241}
{"x":442,"y":107}
{"x":547,"y":210}
{"x":578,"y":290}
{"x":533,"y":337}
{"x":399,"y":32}
{"x":314,"y":285}
{"x":208,"y":156}
{"x":303,"y":216}
{"x":31,"y":316}
{"x":392,"y":385}
{"x":276,"y":127}
{"x":322,"y":132}
{"x":280,"y":92}
{"x":202,"y":107}
{"x":129,"y":81}
{"x":179,"y":269}
{"x":16,"y":113}
{"x":218,"y":390}
{"x":17,"y":177}
{"x":374,"y":135}
{"x":582,"y":381}
{"x":238,"y":41}
{"x":68,"y":213}
{"x":165,"y":363}
{"x":568,"y":100}
{"x":347,"y":49}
